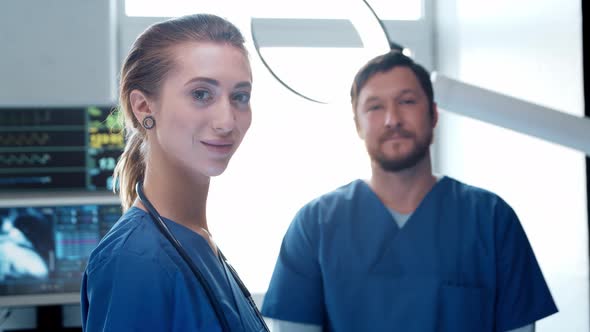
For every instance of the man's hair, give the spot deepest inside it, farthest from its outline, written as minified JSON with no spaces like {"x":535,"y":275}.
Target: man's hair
{"x":384,"y":63}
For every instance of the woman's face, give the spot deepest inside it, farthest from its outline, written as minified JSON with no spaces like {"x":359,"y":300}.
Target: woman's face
{"x":203,"y":110}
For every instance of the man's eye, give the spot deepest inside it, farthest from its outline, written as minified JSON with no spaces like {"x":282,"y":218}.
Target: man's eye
{"x":408,"y":102}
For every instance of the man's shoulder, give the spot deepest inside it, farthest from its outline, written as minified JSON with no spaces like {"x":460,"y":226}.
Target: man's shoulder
{"x":333,"y":207}
{"x":464,"y":190}
{"x":476,"y":197}
{"x":340,"y":195}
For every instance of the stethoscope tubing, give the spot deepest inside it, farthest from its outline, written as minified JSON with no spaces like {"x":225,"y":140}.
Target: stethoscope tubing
{"x":163,"y":228}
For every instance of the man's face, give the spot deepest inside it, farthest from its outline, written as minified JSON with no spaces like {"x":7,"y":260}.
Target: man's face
{"x":393,"y":118}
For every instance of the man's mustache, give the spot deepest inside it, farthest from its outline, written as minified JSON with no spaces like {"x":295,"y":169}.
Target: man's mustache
{"x":396,"y":132}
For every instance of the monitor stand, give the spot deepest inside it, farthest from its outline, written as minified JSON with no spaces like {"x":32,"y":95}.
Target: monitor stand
{"x":49,"y":319}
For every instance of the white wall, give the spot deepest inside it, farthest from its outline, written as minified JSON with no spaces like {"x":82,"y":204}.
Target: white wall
{"x":57,"y":53}
{"x":532,"y":50}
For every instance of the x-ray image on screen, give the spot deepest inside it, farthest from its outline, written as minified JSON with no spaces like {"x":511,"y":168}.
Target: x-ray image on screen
{"x":25,"y":248}
{"x":44,"y":249}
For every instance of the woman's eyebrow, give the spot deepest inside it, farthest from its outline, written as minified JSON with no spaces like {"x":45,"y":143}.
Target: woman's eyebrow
{"x":203,"y":79}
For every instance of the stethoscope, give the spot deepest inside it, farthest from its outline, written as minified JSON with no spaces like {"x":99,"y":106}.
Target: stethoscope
{"x":157,"y":219}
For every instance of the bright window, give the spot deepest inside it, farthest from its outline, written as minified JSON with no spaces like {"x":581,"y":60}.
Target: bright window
{"x":296,"y":149}
{"x":385,"y":9}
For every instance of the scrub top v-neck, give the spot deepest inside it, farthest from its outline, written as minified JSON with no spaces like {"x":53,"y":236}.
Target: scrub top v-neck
{"x":136,"y":281}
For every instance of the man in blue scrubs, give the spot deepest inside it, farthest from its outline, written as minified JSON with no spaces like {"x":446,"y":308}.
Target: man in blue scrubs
{"x":405,"y":250}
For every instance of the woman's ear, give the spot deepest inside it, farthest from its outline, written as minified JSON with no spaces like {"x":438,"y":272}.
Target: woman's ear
{"x":139,"y":105}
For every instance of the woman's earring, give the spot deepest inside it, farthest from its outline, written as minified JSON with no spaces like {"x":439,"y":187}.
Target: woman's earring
{"x":149,"y":122}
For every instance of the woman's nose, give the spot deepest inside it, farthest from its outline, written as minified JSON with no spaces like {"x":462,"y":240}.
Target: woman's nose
{"x":224,"y":118}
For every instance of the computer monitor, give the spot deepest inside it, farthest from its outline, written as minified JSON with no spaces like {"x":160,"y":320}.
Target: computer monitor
{"x":59,"y":149}
{"x":45,"y":244}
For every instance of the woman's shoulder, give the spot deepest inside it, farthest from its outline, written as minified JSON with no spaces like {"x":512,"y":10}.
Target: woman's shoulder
{"x":131,"y":237}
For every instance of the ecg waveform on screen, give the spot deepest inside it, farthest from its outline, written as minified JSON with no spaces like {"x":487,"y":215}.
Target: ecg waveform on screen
{"x":41,"y":117}
{"x":24,"y":159}
{"x":46,"y":160}
{"x":24,"y":139}
{"x":58,"y":148}
{"x":42,"y":140}
{"x":31,"y":118}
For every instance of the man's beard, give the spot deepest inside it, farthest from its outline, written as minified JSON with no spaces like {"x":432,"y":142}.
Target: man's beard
{"x":420,"y":151}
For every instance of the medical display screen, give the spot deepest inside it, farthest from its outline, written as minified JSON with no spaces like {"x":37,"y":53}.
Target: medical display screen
{"x":44,"y":250}
{"x":58,"y":148}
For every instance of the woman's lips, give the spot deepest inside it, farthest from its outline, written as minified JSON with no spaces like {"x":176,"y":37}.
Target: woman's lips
{"x":218,"y":146}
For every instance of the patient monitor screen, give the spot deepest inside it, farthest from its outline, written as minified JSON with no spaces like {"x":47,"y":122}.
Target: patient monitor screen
{"x":44,"y":250}
{"x":58,"y":148}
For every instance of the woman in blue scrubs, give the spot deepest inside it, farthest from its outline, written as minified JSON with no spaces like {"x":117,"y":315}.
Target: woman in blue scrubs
{"x":185,"y":98}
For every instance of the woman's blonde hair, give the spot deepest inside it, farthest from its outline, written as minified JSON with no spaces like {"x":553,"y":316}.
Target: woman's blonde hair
{"x":144,"y":69}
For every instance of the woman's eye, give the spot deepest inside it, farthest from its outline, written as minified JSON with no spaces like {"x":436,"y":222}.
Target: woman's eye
{"x":242,"y":98}
{"x":201,"y":95}
{"x":374,"y":107}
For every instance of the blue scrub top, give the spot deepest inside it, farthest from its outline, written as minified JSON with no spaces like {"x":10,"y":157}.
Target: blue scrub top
{"x":136,"y":281}
{"x":462,"y":262}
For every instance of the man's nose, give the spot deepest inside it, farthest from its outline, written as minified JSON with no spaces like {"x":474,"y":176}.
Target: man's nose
{"x":392,"y":116}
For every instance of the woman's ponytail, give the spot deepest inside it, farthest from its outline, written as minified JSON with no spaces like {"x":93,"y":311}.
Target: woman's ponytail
{"x":129,"y":170}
